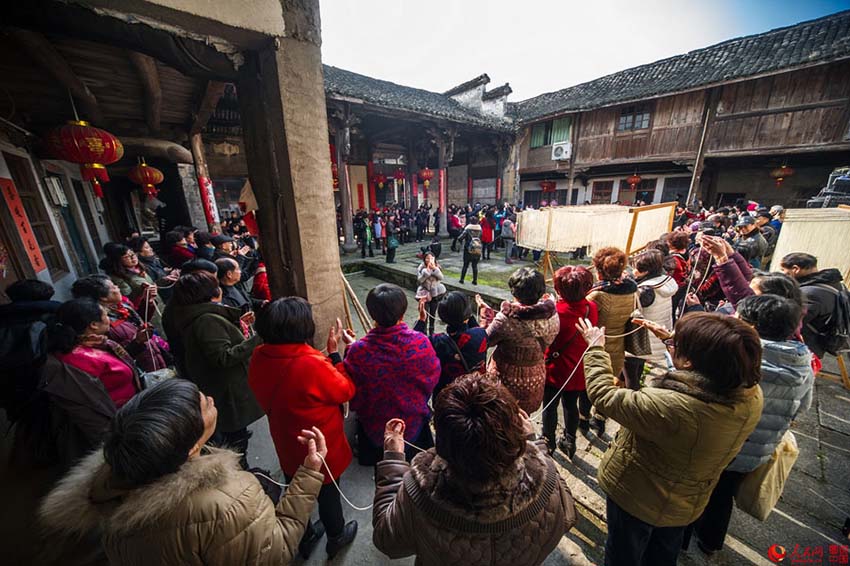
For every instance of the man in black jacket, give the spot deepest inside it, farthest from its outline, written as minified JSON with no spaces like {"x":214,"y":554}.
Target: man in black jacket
{"x":232,"y":294}
{"x":821,"y":291}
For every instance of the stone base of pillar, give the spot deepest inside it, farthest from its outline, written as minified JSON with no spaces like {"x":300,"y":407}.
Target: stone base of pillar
{"x":348,"y":248}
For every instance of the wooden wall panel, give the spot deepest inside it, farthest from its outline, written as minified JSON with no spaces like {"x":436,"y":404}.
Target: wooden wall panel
{"x":800,"y":108}
{"x":674,"y":132}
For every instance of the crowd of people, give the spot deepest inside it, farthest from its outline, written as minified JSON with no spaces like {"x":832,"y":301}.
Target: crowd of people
{"x":476,"y":230}
{"x":138,"y":393}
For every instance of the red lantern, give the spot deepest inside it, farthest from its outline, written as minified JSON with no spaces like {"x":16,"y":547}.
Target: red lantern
{"x":426,"y":175}
{"x":548,"y":186}
{"x":633,"y":181}
{"x":146,"y":176}
{"x":92,"y":148}
{"x":781,"y":173}
{"x":399,"y":176}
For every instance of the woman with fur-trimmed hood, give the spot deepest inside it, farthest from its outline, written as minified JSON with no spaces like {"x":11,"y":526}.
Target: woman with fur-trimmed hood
{"x":155,"y":495}
{"x":486,"y":495}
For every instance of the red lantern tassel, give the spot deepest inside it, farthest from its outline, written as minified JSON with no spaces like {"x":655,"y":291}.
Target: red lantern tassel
{"x":98,"y":190}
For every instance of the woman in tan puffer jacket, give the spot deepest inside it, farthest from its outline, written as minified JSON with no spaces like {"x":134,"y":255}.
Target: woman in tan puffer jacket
{"x":154,"y":495}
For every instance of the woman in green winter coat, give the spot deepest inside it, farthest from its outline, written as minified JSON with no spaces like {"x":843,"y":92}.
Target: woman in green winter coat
{"x":215,"y":347}
{"x":661,"y":468}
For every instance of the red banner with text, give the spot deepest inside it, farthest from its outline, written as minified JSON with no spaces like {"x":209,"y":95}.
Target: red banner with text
{"x":22,"y":223}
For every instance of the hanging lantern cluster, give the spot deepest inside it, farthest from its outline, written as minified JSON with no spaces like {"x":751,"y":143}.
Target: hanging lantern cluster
{"x":548,"y":186}
{"x":634,"y":181}
{"x":146,"y":176}
{"x":426,"y":175}
{"x":379,"y":179}
{"x":781,"y":173}
{"x":92,"y":148}
{"x":399,"y":176}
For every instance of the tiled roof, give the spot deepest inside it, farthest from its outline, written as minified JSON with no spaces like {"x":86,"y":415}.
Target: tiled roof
{"x":390,"y":95}
{"x":816,"y":41}
{"x":482,"y":79}
{"x":497,"y":92}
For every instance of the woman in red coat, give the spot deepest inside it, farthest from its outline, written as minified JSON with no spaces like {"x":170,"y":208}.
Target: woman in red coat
{"x":299,"y":388}
{"x":572,"y":285}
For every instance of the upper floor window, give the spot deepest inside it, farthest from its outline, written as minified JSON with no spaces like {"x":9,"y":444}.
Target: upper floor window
{"x":551,"y":131}
{"x":633,"y":118}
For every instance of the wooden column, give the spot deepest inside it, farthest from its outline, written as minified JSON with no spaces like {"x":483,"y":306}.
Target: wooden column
{"x":370,"y":170}
{"x":284,"y":119}
{"x":573,"y":150}
{"x":470,"y":156}
{"x":445,"y":153}
{"x":708,"y":116}
{"x":342,"y":141}
{"x":205,"y":186}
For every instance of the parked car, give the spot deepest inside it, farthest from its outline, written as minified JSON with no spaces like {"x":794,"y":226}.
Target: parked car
{"x":836,"y":191}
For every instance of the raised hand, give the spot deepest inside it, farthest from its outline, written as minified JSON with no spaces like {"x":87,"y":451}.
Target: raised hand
{"x":334,"y":335}
{"x":394,"y":436}
{"x":317,"y":448}
{"x":593,"y":335}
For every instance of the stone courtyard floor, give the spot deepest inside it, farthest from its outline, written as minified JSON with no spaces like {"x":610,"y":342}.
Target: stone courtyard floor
{"x":811,"y":512}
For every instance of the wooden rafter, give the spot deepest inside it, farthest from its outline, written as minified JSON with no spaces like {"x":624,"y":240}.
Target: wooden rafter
{"x":149,"y":74}
{"x":48,"y":57}
{"x":212,"y":95}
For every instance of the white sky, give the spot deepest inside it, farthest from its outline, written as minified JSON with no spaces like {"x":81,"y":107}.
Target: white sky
{"x":536,"y":45}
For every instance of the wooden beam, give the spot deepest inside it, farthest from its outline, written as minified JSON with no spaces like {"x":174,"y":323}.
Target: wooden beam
{"x":149,"y":74}
{"x":711,"y":99}
{"x":212,"y":95}
{"x":164,"y":149}
{"x":48,"y":57}
{"x":783,"y":109}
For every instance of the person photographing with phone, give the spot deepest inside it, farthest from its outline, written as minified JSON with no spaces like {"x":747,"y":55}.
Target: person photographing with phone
{"x":431,"y":289}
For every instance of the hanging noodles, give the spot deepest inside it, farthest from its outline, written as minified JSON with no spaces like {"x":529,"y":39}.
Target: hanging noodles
{"x":565,"y":229}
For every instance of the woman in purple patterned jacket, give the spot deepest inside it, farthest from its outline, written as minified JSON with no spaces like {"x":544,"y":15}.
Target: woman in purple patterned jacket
{"x":394,"y":369}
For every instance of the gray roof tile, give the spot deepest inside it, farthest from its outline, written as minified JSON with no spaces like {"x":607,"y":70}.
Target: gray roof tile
{"x":816,"y":41}
{"x":390,"y":95}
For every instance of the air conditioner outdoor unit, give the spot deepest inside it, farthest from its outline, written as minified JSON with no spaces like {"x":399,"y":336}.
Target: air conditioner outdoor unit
{"x":562,"y":151}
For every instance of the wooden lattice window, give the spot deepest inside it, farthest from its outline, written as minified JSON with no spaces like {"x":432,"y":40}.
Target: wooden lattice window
{"x":22,"y":176}
{"x":633,"y":118}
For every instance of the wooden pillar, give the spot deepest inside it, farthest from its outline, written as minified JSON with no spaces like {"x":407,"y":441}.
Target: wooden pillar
{"x":370,"y":169}
{"x":441,"y":194}
{"x":341,"y":143}
{"x":445,"y":154}
{"x":573,"y":150}
{"x":284,"y":119}
{"x":470,"y":156}
{"x":205,"y":186}
{"x":499,"y":166}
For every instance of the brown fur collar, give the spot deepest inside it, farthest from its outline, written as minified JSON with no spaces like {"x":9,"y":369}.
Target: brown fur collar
{"x":430,"y":481}
{"x":696,"y":385}
{"x":541,"y":310}
{"x":88,"y":497}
